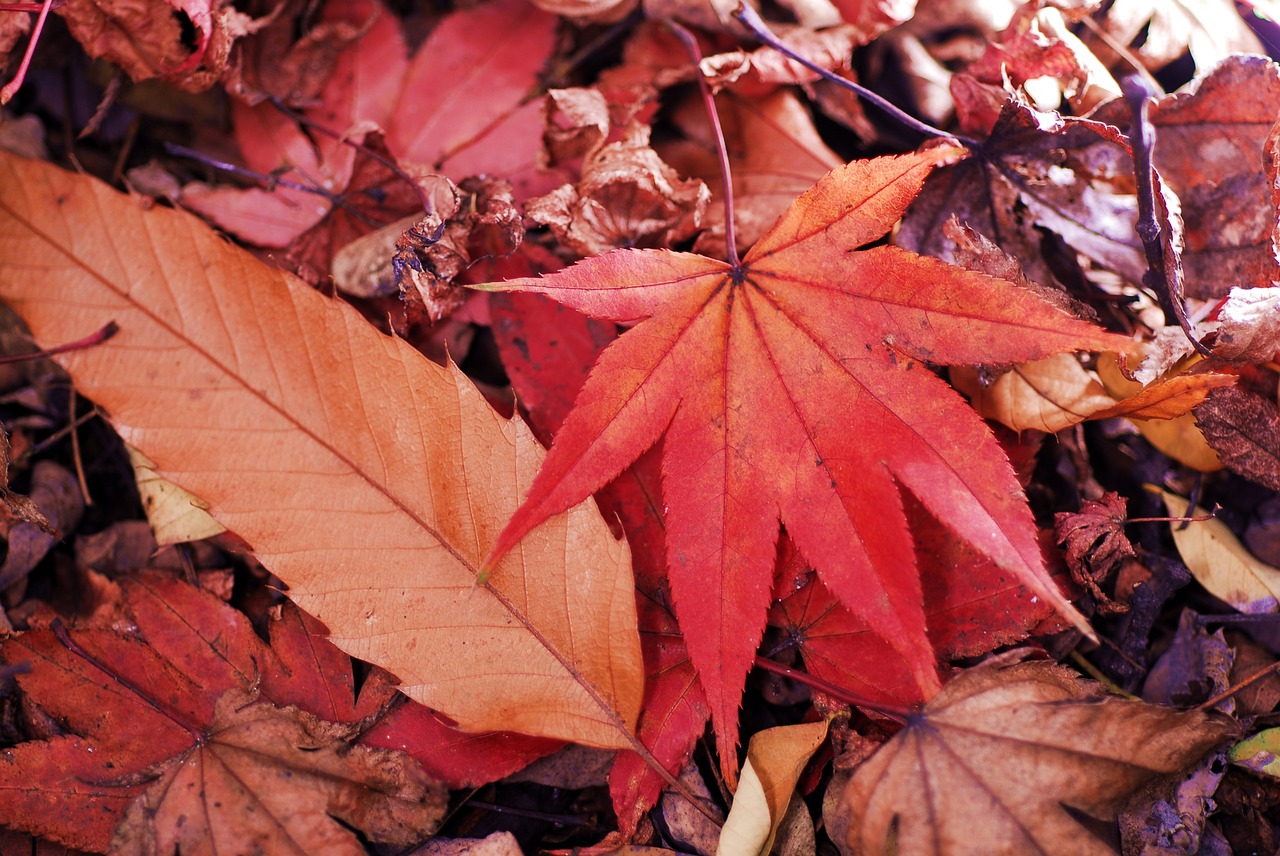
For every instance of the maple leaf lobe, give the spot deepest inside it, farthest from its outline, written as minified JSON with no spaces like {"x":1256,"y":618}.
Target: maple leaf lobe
{"x":759,"y":376}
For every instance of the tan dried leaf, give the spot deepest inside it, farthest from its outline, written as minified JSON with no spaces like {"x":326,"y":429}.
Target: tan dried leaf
{"x":279,"y":780}
{"x":1219,"y":562}
{"x":996,"y":759}
{"x":1046,"y":395}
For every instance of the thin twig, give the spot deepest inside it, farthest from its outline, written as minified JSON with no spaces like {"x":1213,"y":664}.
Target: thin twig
{"x":269,"y":181}
{"x":750,"y":19}
{"x":1164,"y":267}
{"x":1245,"y":683}
{"x":713,"y":115}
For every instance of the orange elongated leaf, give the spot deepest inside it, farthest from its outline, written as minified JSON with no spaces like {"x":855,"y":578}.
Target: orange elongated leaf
{"x":368,"y":479}
{"x":790,"y":388}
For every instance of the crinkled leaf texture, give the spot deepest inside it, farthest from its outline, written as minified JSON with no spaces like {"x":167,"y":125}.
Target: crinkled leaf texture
{"x":995,"y":760}
{"x":370,"y":480}
{"x":792,"y":388}
{"x":176,"y":714}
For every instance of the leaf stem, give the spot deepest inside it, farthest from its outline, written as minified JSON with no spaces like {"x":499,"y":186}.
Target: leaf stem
{"x":897,"y":712}
{"x":108,"y":330}
{"x":713,"y":115}
{"x":750,"y":19}
{"x":11,"y":88}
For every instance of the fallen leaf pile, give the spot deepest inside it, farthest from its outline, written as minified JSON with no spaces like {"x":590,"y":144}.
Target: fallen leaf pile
{"x":646,"y":421}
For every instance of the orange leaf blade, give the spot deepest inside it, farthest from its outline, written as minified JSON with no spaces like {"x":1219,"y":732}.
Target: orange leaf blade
{"x":339,"y":454}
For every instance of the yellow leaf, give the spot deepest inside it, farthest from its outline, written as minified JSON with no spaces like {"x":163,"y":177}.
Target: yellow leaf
{"x":1179,"y":438}
{"x":175,"y":515}
{"x":775,"y":759}
{"x":370,"y":480}
{"x":1220,"y":563}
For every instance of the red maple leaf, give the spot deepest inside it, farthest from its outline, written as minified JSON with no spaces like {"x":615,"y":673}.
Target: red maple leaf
{"x":790,"y":387}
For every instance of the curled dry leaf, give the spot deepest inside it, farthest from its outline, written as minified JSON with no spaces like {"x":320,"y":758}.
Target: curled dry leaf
{"x":1045,"y":395}
{"x":775,"y":759}
{"x":1002,"y":757}
{"x":1244,"y":429}
{"x":1220,"y":563}
{"x":337,"y":453}
{"x":185,"y":42}
{"x":627,"y":197}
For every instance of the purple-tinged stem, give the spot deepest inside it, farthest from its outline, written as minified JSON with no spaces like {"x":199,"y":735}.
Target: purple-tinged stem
{"x":11,"y":88}
{"x":750,"y":19}
{"x":108,"y":330}
{"x":726,"y":176}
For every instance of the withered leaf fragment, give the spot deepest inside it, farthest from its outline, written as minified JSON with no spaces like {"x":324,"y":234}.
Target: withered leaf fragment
{"x":1096,"y":544}
{"x":996,"y":760}
{"x":1244,"y":429}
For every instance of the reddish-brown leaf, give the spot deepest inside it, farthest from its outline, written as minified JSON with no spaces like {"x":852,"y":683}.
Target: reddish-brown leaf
{"x":143,"y":692}
{"x":790,"y":388}
{"x":547,"y":349}
{"x":1244,"y":429}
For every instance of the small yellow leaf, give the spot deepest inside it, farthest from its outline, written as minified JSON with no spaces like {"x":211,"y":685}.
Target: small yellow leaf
{"x":1221,"y":564}
{"x":176,"y":515}
{"x":1260,"y":753}
{"x":775,"y":759}
{"x":1179,"y":438}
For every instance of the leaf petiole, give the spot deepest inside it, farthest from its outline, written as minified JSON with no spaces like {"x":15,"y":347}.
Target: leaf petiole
{"x":751,"y":19}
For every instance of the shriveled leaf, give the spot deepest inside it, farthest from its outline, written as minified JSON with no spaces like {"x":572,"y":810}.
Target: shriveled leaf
{"x":1095,"y":541}
{"x":1220,"y":563}
{"x":156,"y":686}
{"x":293,"y":419}
{"x":1209,"y":30}
{"x":1000,"y":760}
{"x":1244,"y":429}
{"x":775,"y":759}
{"x":275,"y":780}
{"x":757,"y":376}
{"x":185,"y":42}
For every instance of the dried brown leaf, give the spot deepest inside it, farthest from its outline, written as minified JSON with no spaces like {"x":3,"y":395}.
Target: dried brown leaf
{"x":1244,"y":429}
{"x":996,"y":759}
{"x":275,"y":780}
